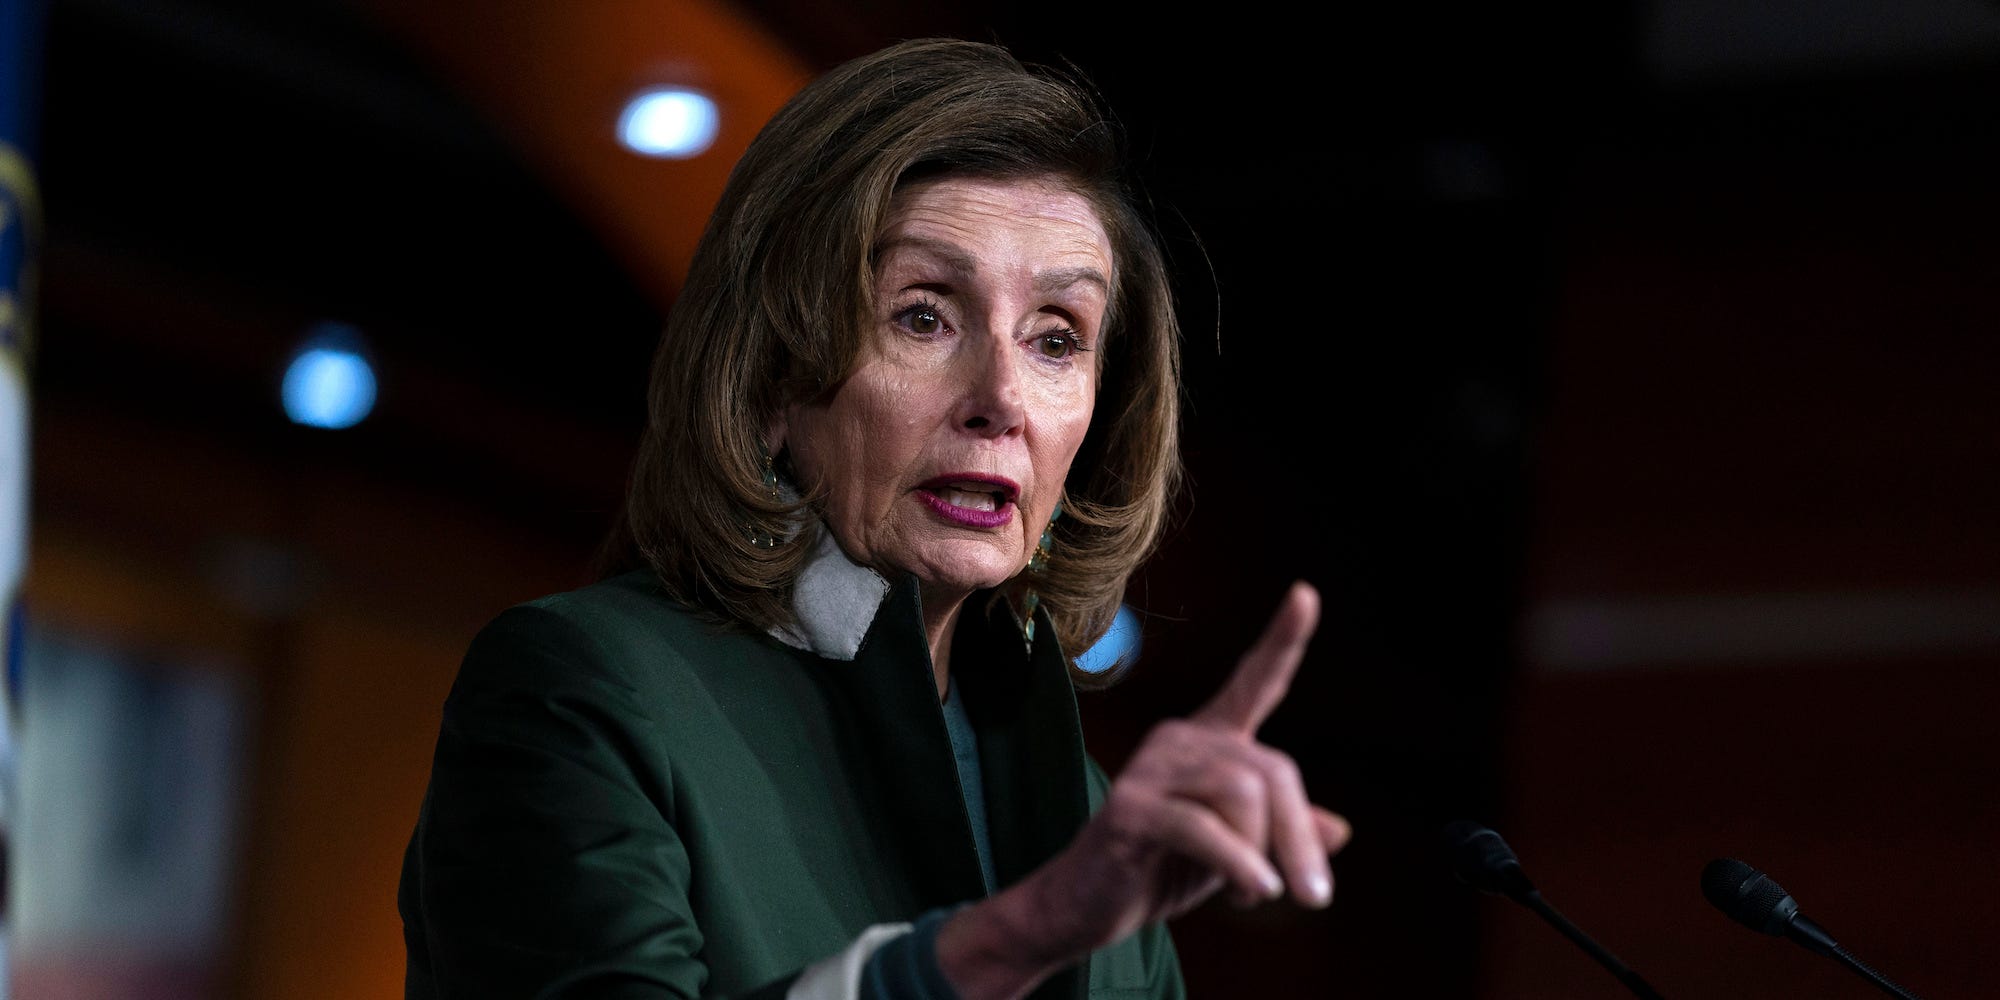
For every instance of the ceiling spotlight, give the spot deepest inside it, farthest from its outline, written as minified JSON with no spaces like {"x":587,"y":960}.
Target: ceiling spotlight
{"x":672,"y":122}
{"x":329,"y":383}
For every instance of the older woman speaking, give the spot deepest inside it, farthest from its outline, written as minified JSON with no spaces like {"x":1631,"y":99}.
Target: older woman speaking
{"x":913,"y":426}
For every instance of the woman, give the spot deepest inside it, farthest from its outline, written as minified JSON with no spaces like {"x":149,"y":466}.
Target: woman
{"x":913,"y":426}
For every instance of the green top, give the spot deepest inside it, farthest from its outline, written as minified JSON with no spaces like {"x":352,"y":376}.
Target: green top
{"x":629,"y":802}
{"x":965,"y":753}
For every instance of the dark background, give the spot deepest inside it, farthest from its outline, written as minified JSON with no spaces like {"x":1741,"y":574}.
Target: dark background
{"x":1495,"y":318}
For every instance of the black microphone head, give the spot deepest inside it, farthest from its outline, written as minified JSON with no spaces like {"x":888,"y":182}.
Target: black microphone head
{"x":1748,"y":896}
{"x":1483,"y":861}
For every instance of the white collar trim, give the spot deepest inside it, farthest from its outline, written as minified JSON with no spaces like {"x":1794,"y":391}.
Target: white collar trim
{"x":835,"y":602}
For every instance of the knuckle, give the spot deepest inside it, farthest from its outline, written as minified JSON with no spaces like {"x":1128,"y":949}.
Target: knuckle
{"x":1280,"y":766}
{"x":1240,"y":786}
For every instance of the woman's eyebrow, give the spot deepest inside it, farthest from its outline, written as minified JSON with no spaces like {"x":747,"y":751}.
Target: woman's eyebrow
{"x":965,"y":265}
{"x":1057,"y":279}
{"x":939,"y":251}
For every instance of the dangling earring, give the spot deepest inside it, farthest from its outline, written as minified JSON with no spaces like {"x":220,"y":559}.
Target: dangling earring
{"x":759,"y":537}
{"x":1036,"y":564}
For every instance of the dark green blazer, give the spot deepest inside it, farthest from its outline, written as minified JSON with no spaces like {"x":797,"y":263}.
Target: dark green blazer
{"x":628,"y":802}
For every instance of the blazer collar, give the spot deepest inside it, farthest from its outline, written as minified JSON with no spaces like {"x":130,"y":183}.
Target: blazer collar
{"x":835,"y":602}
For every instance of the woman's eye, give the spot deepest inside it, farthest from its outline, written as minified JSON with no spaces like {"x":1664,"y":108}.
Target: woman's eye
{"x":922,"y":319}
{"x":1057,"y":344}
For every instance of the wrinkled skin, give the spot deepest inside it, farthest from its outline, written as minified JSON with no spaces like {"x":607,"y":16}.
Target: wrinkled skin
{"x":943,"y":455}
{"x":980,"y":372}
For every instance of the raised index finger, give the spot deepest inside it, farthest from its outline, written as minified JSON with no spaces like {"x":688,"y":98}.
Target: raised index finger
{"x":1265,"y":673}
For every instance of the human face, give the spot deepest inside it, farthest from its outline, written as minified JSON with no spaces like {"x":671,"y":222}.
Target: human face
{"x":944,"y":453}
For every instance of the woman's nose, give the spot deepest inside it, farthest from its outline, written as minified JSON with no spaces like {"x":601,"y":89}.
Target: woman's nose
{"x":991,"y":402}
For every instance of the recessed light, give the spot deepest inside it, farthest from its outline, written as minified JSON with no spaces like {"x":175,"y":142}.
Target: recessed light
{"x":672,"y":122}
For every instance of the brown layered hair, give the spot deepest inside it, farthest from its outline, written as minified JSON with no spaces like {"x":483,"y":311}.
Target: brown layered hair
{"x":778,"y":299}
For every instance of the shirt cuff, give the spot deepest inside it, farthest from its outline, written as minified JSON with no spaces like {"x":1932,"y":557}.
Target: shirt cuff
{"x":838,"y":977}
{"x":906,"y":968}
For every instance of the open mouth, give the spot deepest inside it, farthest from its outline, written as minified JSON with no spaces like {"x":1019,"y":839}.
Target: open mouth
{"x":978,"y":501}
{"x":971,"y":499}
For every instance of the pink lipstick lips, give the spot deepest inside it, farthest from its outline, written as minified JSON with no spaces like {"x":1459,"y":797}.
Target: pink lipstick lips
{"x":970,"y":499}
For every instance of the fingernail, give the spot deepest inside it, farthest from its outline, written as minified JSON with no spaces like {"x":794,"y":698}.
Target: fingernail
{"x":1272,"y":885}
{"x":1319,"y":889}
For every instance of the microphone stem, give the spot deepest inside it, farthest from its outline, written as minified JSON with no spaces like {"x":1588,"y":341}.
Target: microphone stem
{"x":1532,"y":899}
{"x":1848,"y":959}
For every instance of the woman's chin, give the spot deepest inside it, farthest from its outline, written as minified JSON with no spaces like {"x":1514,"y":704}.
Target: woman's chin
{"x":960,"y":573}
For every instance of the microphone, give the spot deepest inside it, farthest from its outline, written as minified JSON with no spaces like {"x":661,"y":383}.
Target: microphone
{"x":1483,"y":861}
{"x":1752,"y":899}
